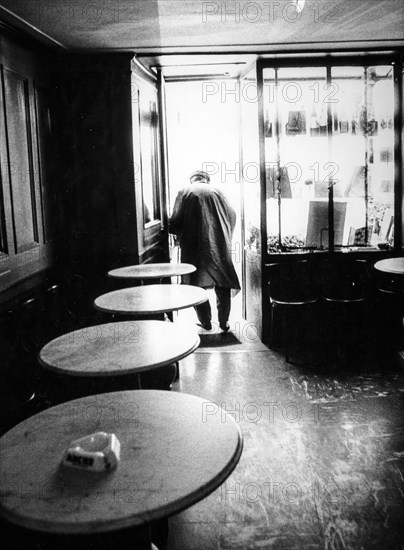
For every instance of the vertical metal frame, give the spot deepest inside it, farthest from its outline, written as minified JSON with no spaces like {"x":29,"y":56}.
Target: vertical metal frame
{"x":398,"y":154}
{"x":261,"y":139}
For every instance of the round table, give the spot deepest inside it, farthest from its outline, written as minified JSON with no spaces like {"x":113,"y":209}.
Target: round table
{"x":152,"y":271}
{"x":393,"y":266}
{"x":175,"y":450}
{"x":151,"y":299}
{"x":119,"y":348}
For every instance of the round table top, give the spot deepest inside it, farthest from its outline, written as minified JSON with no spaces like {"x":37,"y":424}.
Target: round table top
{"x":152,"y":271}
{"x":175,"y":450}
{"x":119,"y":348}
{"x":395,"y":266}
{"x":151,"y":299}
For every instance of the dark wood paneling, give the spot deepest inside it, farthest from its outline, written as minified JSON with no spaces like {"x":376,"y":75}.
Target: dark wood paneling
{"x":101,"y":213}
{"x":25,"y":163}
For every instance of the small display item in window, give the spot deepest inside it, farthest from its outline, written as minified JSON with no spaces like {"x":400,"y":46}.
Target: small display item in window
{"x":278,"y":186}
{"x":317,"y":224}
{"x":371,"y":152}
{"x":336,"y":122}
{"x":285,"y":190}
{"x":323,"y":122}
{"x":386,"y":123}
{"x":296,"y":124}
{"x":270,"y":181}
{"x":387,"y":186}
{"x":314,"y":124}
{"x":344,"y":126}
{"x":386,"y":154}
{"x":372,"y":127}
{"x":387,"y":224}
{"x":356,"y":187}
{"x":362,"y":119}
{"x":368,"y":125}
{"x":267,"y":126}
{"x":360,"y":236}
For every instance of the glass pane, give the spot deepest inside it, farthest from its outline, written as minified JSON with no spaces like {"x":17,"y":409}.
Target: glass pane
{"x":349,"y":154}
{"x":362,"y":150}
{"x":149,"y":155}
{"x":306,"y":168}
{"x":295,"y":152}
{"x":23,"y":197}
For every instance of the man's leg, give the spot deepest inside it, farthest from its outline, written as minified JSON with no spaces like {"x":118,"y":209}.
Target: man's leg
{"x":204,"y":314}
{"x":223,"y":302}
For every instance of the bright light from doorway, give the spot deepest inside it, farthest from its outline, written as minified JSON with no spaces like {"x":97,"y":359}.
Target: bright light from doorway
{"x":299,"y":5}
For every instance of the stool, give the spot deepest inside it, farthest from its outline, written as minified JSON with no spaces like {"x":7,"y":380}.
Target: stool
{"x":291,"y":291}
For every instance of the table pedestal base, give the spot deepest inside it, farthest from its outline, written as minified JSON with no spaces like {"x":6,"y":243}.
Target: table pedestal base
{"x":124,"y":539}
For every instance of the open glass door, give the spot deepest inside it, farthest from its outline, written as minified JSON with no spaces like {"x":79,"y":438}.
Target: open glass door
{"x":149,"y":163}
{"x":251,"y":199}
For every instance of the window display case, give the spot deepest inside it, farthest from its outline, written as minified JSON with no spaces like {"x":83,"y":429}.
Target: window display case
{"x":328,"y":140}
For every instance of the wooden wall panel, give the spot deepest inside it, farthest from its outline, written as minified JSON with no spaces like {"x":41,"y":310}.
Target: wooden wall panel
{"x":24,"y":163}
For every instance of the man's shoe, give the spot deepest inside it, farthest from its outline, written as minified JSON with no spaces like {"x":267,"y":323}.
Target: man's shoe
{"x":206,"y":326}
{"x":225,"y":327}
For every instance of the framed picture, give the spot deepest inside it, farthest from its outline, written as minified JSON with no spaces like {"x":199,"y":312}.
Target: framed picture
{"x":317,"y":226}
{"x":296,"y":124}
{"x":360,"y":236}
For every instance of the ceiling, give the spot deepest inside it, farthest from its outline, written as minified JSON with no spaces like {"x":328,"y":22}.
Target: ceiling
{"x":158,"y":30}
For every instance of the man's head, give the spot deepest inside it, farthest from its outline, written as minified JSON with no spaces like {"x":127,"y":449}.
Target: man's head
{"x":199,"y":177}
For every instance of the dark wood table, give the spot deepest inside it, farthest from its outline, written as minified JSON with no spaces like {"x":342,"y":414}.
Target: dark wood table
{"x":119,"y":349}
{"x":151,"y":299}
{"x":151,"y":271}
{"x":390,"y":284}
{"x":172,"y":455}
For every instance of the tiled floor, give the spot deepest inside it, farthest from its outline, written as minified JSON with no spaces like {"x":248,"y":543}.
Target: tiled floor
{"x":323,"y":459}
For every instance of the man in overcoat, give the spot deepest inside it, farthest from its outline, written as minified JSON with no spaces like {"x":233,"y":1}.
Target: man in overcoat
{"x":203,"y":220}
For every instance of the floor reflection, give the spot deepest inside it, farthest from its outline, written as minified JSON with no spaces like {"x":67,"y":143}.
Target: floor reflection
{"x":323,"y":458}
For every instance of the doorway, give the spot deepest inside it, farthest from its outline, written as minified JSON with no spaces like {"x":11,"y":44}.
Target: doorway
{"x":203,"y":133}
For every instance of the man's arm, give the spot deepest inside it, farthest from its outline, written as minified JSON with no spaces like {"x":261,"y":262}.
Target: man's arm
{"x":175,"y":224}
